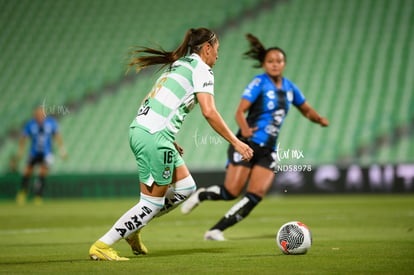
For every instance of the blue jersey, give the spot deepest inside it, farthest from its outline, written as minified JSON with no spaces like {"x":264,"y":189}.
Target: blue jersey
{"x":269,"y":107}
{"x":41,"y":135}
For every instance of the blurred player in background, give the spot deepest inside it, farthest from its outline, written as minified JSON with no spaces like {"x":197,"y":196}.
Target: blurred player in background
{"x":41,"y":130}
{"x":267,"y":100}
{"x":164,"y":178}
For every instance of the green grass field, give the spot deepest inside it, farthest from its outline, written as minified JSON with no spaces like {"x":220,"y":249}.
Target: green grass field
{"x":352,"y":234}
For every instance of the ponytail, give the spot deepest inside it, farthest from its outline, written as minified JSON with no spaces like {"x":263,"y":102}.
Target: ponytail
{"x":257,"y":51}
{"x":193,"y":41}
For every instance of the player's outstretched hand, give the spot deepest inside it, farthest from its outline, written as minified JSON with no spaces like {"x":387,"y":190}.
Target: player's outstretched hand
{"x":244,"y":150}
{"x":63,"y":154}
{"x":324,"y":122}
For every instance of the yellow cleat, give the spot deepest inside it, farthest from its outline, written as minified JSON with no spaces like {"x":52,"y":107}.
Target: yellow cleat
{"x":137,"y":246}
{"x":100,"y":251}
{"x":21,"y":197}
{"x":38,"y":200}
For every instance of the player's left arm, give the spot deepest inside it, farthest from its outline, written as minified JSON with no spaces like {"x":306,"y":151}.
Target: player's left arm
{"x":308,"y":112}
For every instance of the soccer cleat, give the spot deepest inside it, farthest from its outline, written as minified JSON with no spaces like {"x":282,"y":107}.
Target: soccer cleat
{"x":137,"y":246}
{"x":21,"y":197}
{"x":100,"y":251}
{"x":191,"y":202}
{"x":38,"y":200}
{"x":214,"y":235}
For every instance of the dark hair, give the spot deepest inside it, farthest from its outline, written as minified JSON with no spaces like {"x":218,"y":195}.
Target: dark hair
{"x":193,"y":41}
{"x":258,"y":52}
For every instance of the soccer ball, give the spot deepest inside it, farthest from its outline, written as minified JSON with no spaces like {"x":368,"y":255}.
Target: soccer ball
{"x":294,"y":238}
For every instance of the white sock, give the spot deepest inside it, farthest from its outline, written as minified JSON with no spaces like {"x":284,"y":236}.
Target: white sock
{"x":135,"y":218}
{"x":178,"y":193}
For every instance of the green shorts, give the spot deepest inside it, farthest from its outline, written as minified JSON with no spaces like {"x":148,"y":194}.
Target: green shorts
{"x":155,"y":154}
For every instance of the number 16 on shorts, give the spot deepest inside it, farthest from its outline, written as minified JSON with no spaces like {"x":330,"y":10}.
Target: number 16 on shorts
{"x":168,"y":159}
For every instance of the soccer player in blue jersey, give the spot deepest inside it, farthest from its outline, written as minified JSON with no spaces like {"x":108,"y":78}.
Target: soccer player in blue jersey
{"x":41,"y":130}
{"x":267,"y":100}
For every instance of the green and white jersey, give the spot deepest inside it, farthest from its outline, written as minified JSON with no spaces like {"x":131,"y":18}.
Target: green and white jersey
{"x":173,"y":95}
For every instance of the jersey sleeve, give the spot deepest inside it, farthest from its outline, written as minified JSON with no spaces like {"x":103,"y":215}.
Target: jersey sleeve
{"x":298,"y":97}
{"x":203,"y":80}
{"x":253,"y":89}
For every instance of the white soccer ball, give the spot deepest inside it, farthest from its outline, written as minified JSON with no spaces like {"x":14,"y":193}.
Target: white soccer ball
{"x":294,"y":238}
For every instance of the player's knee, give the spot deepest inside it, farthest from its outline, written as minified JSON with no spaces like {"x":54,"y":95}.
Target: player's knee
{"x":156,"y":202}
{"x":257,"y":190}
{"x":227,"y":195}
{"x":217,"y":192}
{"x":185,"y":186}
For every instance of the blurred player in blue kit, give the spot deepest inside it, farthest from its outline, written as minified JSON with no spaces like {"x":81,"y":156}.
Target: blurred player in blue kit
{"x":41,"y":130}
{"x":267,"y":99}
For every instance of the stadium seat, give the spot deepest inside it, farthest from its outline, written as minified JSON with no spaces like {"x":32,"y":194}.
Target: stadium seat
{"x":352,"y":60}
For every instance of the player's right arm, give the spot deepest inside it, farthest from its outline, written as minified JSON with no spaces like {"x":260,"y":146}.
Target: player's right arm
{"x":14,"y":160}
{"x":213,"y":117}
{"x":22,"y":144}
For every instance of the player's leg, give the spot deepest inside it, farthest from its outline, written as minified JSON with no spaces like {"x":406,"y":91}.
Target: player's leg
{"x":27,"y":174}
{"x":235,"y":180}
{"x":155,"y":156}
{"x":236,"y":176}
{"x":39,"y":185}
{"x":261,"y":179}
{"x":24,"y":187}
{"x":182,"y":187}
{"x":151,"y":201}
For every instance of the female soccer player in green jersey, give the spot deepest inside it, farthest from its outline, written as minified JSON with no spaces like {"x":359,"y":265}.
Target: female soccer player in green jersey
{"x":165,"y":180}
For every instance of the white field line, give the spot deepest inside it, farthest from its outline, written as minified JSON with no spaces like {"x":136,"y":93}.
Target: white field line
{"x":39,"y":230}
